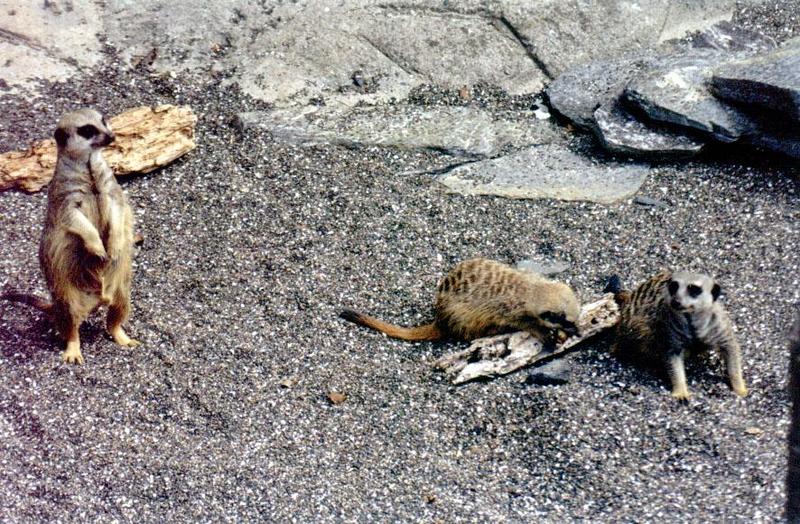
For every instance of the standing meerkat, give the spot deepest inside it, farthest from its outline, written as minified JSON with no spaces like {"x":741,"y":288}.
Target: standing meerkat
{"x":481,"y":297}
{"x":87,"y":243}
{"x":669,"y":316}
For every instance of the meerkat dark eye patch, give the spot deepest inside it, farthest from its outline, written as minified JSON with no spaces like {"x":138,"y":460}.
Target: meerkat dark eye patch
{"x":694,"y":291}
{"x":88,"y":131}
{"x":715,"y":291}
{"x":61,"y":137}
{"x":673,"y":287}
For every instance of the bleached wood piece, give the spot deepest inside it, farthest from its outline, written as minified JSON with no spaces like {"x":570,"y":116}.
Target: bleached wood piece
{"x":499,"y":355}
{"x":147,"y":138}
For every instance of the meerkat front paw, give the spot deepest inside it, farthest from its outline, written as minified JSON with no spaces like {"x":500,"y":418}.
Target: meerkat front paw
{"x":681,"y":394}
{"x":72,"y":355}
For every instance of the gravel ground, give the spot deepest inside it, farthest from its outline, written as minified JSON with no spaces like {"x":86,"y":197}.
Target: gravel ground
{"x":250,"y":250}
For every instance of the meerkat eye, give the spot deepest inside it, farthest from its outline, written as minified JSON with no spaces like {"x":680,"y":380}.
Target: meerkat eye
{"x":673,"y":287}
{"x":694,"y":291}
{"x":87,"y":131}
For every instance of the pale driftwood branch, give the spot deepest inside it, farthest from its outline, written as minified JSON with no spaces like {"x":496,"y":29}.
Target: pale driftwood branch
{"x":147,"y":138}
{"x":502,"y":354}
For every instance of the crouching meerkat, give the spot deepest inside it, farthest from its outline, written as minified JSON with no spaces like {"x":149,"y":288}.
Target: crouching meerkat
{"x":668,"y":317}
{"x":87,"y":242}
{"x":481,"y":297}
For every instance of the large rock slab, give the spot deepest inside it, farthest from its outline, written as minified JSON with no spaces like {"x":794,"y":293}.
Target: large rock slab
{"x":676,"y":92}
{"x":462,"y":131}
{"x":769,"y":80}
{"x":561,"y":35}
{"x":548,"y":171}
{"x":46,"y":40}
{"x":291,"y":51}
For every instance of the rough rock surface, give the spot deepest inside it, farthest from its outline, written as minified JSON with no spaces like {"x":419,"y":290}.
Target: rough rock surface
{"x":564,"y":34}
{"x":622,"y":133}
{"x":675,"y":92}
{"x":288,"y":52}
{"x":771,"y":80}
{"x":54,"y":40}
{"x":547,"y":171}
{"x":578,"y":92}
{"x":461,"y":131}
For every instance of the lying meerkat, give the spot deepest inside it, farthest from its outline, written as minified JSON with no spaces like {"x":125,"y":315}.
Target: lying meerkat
{"x":86,"y":246}
{"x":670,"y":315}
{"x":481,"y":297}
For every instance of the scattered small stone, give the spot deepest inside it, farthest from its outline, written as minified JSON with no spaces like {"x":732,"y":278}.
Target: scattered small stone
{"x":336,"y":398}
{"x":358,"y":79}
{"x":553,"y":373}
{"x":546,"y":267}
{"x":752,"y":430}
{"x":649,"y":202}
{"x":288,"y":382}
{"x":464,"y":94}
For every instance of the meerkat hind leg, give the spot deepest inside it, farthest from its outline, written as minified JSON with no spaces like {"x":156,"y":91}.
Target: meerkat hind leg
{"x":117,"y":314}
{"x":677,"y":377}
{"x":733,"y":364}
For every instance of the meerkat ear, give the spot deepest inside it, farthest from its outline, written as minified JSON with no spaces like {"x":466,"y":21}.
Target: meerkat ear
{"x":715,"y":291}
{"x":61,"y":137}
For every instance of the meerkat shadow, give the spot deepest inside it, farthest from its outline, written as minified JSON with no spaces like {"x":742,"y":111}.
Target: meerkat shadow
{"x":24,"y":335}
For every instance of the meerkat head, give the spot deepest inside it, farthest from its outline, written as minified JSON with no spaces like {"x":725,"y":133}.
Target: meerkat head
{"x":554,"y":308}
{"x":690,"y":292}
{"x":82,"y":132}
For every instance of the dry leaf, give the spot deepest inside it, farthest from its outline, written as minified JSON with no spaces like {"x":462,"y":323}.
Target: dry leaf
{"x":752,"y":430}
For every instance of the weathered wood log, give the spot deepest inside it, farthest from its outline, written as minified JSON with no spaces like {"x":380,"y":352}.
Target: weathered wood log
{"x":502,"y":354}
{"x":147,"y":138}
{"x":793,"y":470}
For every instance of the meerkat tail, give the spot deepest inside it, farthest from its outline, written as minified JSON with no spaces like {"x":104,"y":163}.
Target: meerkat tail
{"x":427,"y":332}
{"x":29,"y":300}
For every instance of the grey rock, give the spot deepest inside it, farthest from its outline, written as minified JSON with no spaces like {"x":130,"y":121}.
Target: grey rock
{"x":578,"y":92}
{"x":649,"y":202}
{"x":561,"y":35}
{"x":725,"y":36}
{"x":675,"y":92}
{"x":546,"y":267}
{"x":769,"y":80}
{"x":547,"y":171}
{"x":463,"y":131}
{"x":42,"y":41}
{"x":553,"y":373}
{"x":620,"y":132}
{"x":773,"y":135}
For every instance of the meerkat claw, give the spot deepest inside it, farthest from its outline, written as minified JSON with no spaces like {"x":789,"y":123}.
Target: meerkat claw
{"x":682,"y":395}
{"x":72,"y":356}
{"x":122,"y":338}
